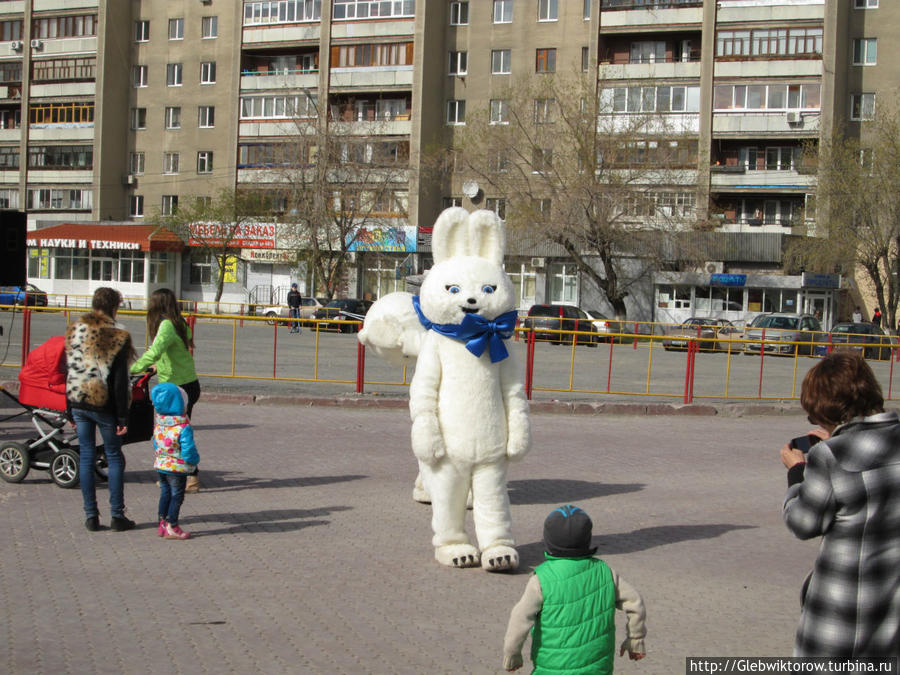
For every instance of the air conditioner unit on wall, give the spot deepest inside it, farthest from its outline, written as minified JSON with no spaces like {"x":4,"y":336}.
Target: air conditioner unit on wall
{"x":793,"y":117}
{"x":16,"y":45}
{"x":713,"y":267}
{"x":538,"y":262}
{"x":129,"y":179}
{"x":36,"y":44}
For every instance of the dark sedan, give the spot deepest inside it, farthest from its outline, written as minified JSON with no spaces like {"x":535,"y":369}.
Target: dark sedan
{"x":345,"y":309}
{"x":544,"y":319}
{"x":866,"y":338}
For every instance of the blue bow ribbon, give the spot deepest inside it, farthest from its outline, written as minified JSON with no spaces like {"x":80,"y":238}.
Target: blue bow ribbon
{"x":476,"y":331}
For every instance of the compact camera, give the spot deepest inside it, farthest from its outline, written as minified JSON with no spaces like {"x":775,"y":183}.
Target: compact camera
{"x":804,"y":443}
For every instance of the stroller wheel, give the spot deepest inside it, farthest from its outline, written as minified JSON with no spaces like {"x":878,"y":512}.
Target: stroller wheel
{"x":64,"y":469}
{"x":101,"y":466}
{"x":14,"y":461}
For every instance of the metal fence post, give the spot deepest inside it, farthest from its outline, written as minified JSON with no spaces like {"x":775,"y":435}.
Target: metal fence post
{"x":26,"y":333}
{"x":360,"y":367}
{"x":529,"y":365}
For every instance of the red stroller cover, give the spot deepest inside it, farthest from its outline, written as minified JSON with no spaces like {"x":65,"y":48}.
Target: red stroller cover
{"x":42,"y":380}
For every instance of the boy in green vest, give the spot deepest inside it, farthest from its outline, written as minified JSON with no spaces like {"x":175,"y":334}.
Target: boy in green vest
{"x":570,"y":604}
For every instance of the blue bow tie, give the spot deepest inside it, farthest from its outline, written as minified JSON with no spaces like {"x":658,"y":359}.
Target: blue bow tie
{"x":477,"y":332}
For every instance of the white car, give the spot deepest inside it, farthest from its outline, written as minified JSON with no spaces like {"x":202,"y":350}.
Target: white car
{"x":308,"y":307}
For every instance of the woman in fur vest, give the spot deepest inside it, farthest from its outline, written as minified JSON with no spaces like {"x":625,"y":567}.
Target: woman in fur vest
{"x":98,"y":393}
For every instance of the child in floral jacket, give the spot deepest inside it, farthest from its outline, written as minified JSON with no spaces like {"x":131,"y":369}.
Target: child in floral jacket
{"x":176,"y":454}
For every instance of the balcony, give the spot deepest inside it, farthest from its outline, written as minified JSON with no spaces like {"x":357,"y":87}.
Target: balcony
{"x":288,"y":78}
{"x":662,"y":14}
{"x":384,"y":76}
{"x":738,"y":178}
{"x":784,"y":10}
{"x":791,"y":124}
{"x":282,"y":34}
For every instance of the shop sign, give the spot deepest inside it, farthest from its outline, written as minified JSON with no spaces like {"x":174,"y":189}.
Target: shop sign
{"x":95,"y":244}
{"x":727,"y":279}
{"x":398,"y":239}
{"x":236,"y":235}
{"x":808,"y":280}
{"x":268,"y":255}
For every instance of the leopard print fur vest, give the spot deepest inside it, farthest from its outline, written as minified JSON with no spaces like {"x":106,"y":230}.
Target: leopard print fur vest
{"x":92,"y":344}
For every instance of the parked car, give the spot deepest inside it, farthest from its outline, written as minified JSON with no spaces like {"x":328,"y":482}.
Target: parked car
{"x":782,"y":332}
{"x":23,"y":295}
{"x":862,"y":337}
{"x":622,"y":329}
{"x":345,"y":309}
{"x":308,"y":307}
{"x":708,"y":330}
{"x":545,"y":318}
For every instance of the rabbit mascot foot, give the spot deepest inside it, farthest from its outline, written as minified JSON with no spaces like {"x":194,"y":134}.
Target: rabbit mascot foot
{"x":467,"y":403}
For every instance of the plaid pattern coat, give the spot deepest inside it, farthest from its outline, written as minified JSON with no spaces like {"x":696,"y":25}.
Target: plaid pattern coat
{"x":850,"y":495}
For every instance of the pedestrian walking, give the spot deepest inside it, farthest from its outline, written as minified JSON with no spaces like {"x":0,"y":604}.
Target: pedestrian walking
{"x":176,"y":455}
{"x":571,"y":602}
{"x":876,"y":316}
{"x":846,"y":489}
{"x":98,"y":393}
{"x":293,"y":301}
{"x":170,"y":352}
{"x":857,"y":315}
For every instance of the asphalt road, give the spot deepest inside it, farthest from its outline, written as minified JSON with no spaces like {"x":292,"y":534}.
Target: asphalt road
{"x":325,"y":364}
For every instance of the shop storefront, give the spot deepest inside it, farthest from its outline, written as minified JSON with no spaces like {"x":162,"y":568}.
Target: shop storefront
{"x":74,"y":259}
{"x":741,"y":297}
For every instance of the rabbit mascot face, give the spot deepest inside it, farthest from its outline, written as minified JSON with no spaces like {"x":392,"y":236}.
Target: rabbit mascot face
{"x":467,"y":400}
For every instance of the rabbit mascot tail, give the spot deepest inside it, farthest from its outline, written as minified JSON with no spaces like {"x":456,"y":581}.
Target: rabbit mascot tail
{"x":467,"y":402}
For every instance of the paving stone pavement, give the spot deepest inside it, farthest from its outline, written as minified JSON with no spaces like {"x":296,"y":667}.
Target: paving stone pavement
{"x":309,"y":555}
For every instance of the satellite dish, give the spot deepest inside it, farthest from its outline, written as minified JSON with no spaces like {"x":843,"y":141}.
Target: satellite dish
{"x":470,"y":189}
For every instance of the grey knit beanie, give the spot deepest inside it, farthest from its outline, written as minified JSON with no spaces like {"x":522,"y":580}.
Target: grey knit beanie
{"x":567,"y":533}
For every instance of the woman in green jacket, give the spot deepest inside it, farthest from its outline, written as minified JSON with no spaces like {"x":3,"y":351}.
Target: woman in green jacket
{"x":170,"y":353}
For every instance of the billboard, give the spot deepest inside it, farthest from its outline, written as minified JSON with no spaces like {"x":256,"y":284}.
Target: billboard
{"x":237,"y":235}
{"x":400,"y":239}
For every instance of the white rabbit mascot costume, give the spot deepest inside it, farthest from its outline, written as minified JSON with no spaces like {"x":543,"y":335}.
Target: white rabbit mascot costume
{"x":467,"y":403}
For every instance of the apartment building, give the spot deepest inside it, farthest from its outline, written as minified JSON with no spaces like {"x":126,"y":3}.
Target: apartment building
{"x":133,"y":106}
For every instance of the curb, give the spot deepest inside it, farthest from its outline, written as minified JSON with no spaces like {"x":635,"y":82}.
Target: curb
{"x":551,"y":407}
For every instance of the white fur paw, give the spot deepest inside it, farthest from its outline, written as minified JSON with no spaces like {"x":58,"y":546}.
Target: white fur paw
{"x":457,"y":555}
{"x":427,"y":442}
{"x":500,"y":559}
{"x":420,"y":494}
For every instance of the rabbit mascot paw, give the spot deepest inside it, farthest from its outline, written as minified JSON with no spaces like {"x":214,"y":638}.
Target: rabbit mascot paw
{"x":467,"y":402}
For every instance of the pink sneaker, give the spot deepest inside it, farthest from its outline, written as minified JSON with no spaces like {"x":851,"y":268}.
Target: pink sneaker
{"x":161,"y":531}
{"x":175,"y":532}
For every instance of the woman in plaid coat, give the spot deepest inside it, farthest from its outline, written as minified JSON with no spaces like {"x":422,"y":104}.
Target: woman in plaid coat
{"x":847,"y":489}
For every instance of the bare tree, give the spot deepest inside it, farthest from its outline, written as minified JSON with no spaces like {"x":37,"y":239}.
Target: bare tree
{"x":604,"y":187}
{"x":858,"y":197}
{"x":343,"y":178}
{"x":219,"y":227}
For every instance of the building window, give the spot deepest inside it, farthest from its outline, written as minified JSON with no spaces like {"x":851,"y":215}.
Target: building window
{"x":456,"y":112}
{"x":548,"y":10}
{"x":11,"y":30}
{"x":503,"y":11}
{"x":499,"y":161}
{"x":9,"y":157}
{"x":176,"y":29}
{"x":65,"y":70}
{"x":173,"y":118}
{"x":761,"y":96}
{"x":84,"y":25}
{"x":373,"y":9}
{"x":585,"y":59}
{"x":209,"y":27}
{"x":169,"y":205}
{"x":769,"y":42}
{"x":131,"y":267}
{"x":207,"y":116}
{"x":365,"y":55}
{"x":141,"y":31}
{"x":138,"y":118}
{"x":499,"y":111}
{"x":865,"y":4}
{"x":58,"y":157}
{"x":497,"y":205}
{"x":459,"y":13}
{"x":173,"y":74}
{"x":586,"y":10}
{"x":201,"y":268}
{"x":545,"y":61}
{"x":51,"y":114}
{"x":136,"y":163}
{"x":170,"y":162}
{"x":458,"y":63}
{"x":48,"y":199}
{"x":9,"y":198}
{"x":862,"y":107}
{"x":205,"y":161}
{"x":208,"y":72}
{"x":648,"y":51}
{"x":865,"y":51}
{"x":279,"y":107}
{"x":139,"y":76}
{"x":543,"y":110}
{"x":542,"y":207}
{"x":501,"y":60}
{"x":159,"y":268}
{"x":447,"y":202}
{"x":541,"y":160}
{"x":137,"y":206}
{"x":282,"y":11}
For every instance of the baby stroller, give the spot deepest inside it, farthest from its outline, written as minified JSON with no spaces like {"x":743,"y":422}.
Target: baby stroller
{"x":42,"y":395}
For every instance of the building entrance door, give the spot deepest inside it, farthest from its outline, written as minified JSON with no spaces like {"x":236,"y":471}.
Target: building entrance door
{"x":819,"y":304}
